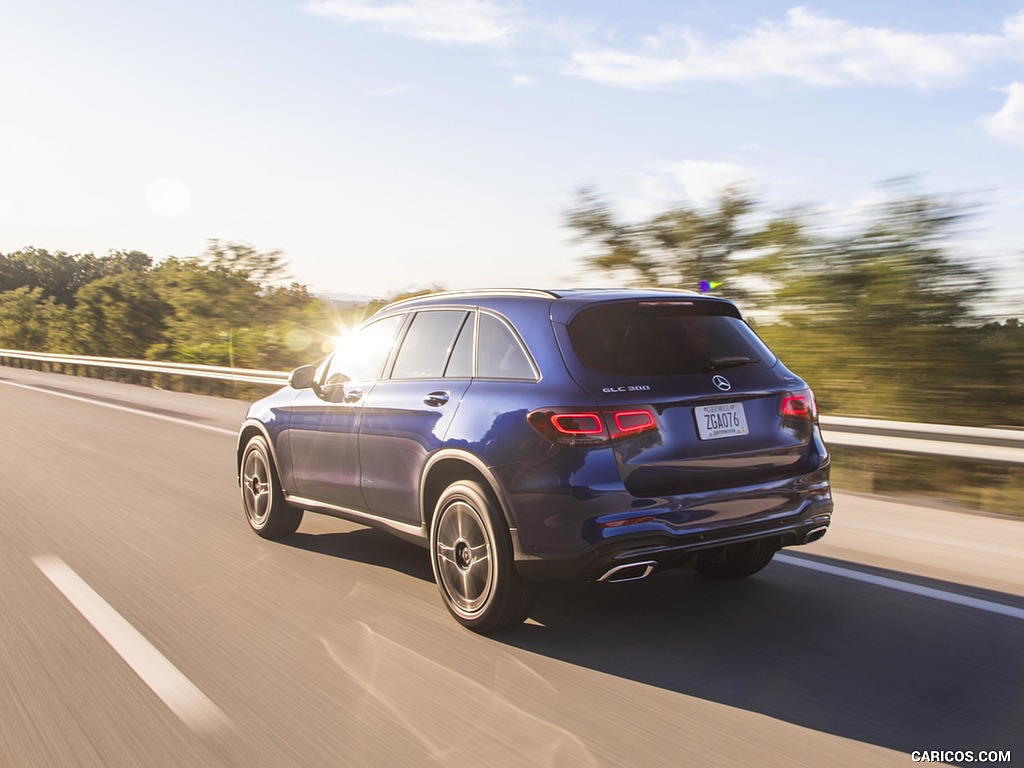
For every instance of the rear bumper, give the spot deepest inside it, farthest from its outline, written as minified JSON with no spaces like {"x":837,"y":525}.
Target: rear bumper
{"x":807,"y":522}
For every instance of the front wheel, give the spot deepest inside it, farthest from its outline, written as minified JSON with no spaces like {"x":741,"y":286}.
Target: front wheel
{"x":265,"y":508}
{"x":744,"y":563}
{"x":471,"y":554}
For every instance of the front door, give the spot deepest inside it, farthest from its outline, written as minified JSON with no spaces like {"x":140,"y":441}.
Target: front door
{"x":406,"y":416}
{"x":324,"y":426}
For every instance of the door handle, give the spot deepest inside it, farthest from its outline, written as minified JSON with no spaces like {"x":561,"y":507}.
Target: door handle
{"x":353,"y":395}
{"x":436,"y":398}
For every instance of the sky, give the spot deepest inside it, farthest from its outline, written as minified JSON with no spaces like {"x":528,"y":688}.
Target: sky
{"x":395,"y":145}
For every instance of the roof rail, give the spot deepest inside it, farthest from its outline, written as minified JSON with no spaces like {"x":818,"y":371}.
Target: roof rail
{"x":532,"y":292}
{"x":625,"y":289}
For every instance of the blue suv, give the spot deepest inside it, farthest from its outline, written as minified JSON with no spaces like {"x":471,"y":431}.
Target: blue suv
{"x":524,"y":436}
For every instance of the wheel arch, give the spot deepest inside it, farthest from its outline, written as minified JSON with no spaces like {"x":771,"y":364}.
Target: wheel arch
{"x":251,"y":428}
{"x":450,"y":465}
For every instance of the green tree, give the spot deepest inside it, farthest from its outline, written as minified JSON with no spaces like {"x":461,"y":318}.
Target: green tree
{"x":229,"y":307}
{"x":261,"y":268}
{"x":884,"y":314}
{"x":28,"y":319}
{"x":119,"y":262}
{"x":881,"y":317}
{"x":677,"y":248}
{"x":1000,"y":347}
{"x":120,"y":315}
{"x":60,"y":274}
{"x":895,"y":271}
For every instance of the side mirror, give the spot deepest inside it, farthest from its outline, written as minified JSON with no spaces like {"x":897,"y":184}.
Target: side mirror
{"x":303,"y":377}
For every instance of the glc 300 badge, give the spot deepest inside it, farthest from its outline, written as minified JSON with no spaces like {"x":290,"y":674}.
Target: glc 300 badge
{"x":632,"y":388}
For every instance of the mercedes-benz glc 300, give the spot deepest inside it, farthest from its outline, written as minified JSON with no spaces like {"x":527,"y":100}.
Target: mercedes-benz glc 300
{"x":524,"y":436}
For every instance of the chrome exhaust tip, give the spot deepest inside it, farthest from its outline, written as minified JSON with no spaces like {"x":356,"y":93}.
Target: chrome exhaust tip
{"x":814,"y":534}
{"x":629,"y":572}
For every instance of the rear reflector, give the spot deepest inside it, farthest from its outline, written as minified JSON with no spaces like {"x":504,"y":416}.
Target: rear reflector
{"x":628,"y":521}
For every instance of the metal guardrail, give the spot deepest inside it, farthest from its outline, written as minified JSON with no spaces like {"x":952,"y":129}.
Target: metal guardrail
{"x":984,"y":444}
{"x":221,"y":372}
{"x":988,"y":445}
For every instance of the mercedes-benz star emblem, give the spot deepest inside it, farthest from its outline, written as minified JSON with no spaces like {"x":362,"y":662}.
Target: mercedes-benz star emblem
{"x":722,"y":383}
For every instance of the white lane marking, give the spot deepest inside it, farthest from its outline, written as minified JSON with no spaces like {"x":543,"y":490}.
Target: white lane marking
{"x":902,"y":586}
{"x":138,"y":411}
{"x":172,"y":687}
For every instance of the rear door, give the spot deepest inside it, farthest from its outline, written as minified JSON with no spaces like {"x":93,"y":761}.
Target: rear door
{"x":692,"y":395}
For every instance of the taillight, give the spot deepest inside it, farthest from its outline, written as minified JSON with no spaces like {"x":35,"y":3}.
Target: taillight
{"x":577,"y":424}
{"x":567,"y":426}
{"x":632,"y":422}
{"x":798,"y":405}
{"x":579,"y":427}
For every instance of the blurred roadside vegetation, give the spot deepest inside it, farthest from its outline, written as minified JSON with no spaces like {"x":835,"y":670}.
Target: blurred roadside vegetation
{"x":885,"y":314}
{"x":232,"y":305}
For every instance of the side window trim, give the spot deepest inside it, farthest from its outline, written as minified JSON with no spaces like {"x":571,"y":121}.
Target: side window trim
{"x":476,"y":339}
{"x":403,"y":331}
{"x":517,"y":338}
{"x":469,"y":325}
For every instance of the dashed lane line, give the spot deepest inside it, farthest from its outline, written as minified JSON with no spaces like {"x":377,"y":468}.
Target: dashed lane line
{"x":175,"y":690}
{"x":903,"y":586}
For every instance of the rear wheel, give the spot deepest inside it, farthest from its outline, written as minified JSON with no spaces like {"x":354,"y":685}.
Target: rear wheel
{"x":739,"y":565}
{"x":268,"y":513}
{"x":471,"y":554}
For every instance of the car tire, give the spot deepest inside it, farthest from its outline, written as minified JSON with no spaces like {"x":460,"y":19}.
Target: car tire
{"x":268,"y":513}
{"x":740,"y":565}
{"x":471,"y":554}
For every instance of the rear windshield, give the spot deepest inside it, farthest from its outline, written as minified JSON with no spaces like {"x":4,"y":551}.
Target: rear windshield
{"x":664,"y":338}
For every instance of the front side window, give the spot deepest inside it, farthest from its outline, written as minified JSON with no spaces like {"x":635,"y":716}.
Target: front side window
{"x":361,"y":355}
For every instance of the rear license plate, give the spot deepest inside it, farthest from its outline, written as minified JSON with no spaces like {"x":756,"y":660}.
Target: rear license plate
{"x":725,"y":420}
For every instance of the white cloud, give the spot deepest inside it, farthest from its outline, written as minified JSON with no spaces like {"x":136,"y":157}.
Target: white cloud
{"x":522,"y":81}
{"x":705,"y":181}
{"x":806,"y":47}
{"x":696,"y":182}
{"x":846,"y":217}
{"x":1008,"y":123}
{"x":482,"y":22}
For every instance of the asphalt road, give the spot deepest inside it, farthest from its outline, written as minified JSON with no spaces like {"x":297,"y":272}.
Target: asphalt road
{"x":143,"y":624}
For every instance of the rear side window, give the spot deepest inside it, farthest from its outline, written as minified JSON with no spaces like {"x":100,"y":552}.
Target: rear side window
{"x":427,"y":344}
{"x":666,"y":338}
{"x":499,"y":353}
